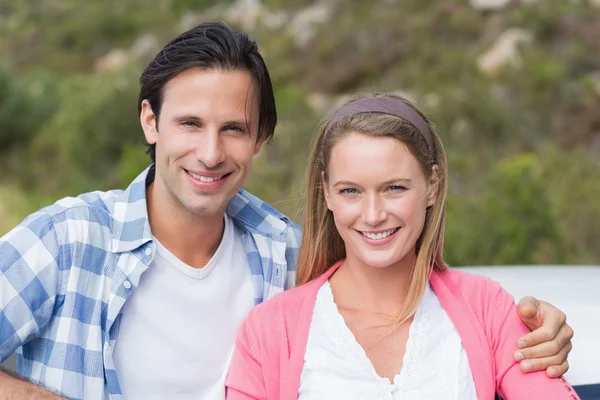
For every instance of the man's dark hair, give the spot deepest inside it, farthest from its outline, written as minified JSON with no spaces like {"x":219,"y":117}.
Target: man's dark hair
{"x":211,"y":46}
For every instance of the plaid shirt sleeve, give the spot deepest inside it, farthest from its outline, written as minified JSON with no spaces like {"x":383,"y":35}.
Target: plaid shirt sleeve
{"x":294,"y":239}
{"x":30,"y":259}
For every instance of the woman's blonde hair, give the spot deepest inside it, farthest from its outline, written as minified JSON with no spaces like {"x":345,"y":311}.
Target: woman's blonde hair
{"x":322,"y":245}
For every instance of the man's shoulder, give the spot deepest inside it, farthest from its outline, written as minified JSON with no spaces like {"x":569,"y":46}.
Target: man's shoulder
{"x":255,"y":213}
{"x":74,"y":218}
{"x":91,"y":205}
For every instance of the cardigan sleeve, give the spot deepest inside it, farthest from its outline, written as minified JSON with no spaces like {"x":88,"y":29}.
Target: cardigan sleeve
{"x":505,"y":329}
{"x":245,"y":380}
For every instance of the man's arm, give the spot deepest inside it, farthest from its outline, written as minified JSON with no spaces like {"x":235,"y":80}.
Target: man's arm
{"x":549,"y":343}
{"x":30,"y":256}
{"x":12,"y":386}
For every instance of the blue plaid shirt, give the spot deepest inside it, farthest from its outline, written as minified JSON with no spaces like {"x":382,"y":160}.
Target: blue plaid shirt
{"x":67,"y":270}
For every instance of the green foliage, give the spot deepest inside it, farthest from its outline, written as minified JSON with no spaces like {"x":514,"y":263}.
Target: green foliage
{"x":279,"y":169}
{"x":572,"y":182}
{"x":67,"y":36}
{"x":97,"y":118}
{"x":24,"y":106}
{"x":515,"y":193}
{"x":524,"y":175}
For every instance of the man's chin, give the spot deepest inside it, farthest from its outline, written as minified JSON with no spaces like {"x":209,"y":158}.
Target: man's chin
{"x":209,"y":205}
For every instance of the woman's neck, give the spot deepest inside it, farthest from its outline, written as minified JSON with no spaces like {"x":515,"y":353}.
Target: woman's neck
{"x":361,"y":287}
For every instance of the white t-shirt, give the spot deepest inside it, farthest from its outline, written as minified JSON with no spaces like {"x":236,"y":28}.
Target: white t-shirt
{"x":178,"y":328}
{"x":336,"y":367}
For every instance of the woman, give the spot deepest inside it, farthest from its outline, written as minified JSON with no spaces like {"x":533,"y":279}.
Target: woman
{"x":377,"y":313}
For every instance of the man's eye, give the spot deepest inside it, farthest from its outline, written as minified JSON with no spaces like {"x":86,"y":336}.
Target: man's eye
{"x":235,"y":128}
{"x":189,"y":123}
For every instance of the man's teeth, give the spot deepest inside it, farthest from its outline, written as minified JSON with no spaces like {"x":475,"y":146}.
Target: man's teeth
{"x":380,"y":235}
{"x":205,"y":178}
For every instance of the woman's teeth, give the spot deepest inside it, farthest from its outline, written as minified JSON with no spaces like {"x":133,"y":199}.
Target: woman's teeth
{"x":380,"y":235}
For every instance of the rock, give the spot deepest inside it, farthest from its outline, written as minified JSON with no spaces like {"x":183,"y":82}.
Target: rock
{"x":114,"y":60}
{"x":187,"y":21}
{"x":432,"y":100}
{"x":595,"y":76}
{"x":319,"y":102}
{"x":302,"y":25}
{"x":504,"y":52}
{"x":490,"y":5}
{"x":250,"y":14}
{"x":244,"y":13}
{"x":144,"y":46}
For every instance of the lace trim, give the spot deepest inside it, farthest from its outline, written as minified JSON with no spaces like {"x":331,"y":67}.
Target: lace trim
{"x":434,"y":353}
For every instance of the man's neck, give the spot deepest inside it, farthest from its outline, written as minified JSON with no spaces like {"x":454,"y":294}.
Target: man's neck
{"x":192,"y":239}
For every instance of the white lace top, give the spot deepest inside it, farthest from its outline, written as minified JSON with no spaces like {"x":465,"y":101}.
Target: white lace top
{"x":435,"y":364}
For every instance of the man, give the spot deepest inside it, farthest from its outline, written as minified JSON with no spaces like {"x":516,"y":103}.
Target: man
{"x":137,"y":294}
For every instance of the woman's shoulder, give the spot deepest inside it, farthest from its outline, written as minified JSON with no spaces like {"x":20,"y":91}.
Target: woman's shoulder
{"x":467,"y":282}
{"x":479,"y":292}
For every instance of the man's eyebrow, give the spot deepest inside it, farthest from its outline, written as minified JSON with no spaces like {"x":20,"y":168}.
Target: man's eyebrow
{"x":236,"y":122}
{"x":187,"y":117}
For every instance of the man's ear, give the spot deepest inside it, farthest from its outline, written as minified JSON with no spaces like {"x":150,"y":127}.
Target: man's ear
{"x":325,"y":186}
{"x":148,"y":121}
{"x":434,"y":186}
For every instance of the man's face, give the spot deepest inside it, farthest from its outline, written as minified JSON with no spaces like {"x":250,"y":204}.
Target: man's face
{"x":205,"y":141}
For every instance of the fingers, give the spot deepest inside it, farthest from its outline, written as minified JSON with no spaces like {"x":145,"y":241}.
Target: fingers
{"x":555,"y":372}
{"x":528,"y":307}
{"x":540,"y":315}
{"x":549,"y":350}
{"x":548,"y":347}
{"x":555,"y":364}
{"x":560,"y":335}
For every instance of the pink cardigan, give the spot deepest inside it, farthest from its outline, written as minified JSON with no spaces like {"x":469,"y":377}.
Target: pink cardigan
{"x":269,"y":354}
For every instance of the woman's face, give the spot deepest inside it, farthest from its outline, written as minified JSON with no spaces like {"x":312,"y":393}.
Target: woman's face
{"x":378,"y":195}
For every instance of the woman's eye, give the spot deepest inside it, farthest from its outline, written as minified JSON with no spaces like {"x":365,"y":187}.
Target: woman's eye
{"x":397,"y":188}
{"x":348,"y":191}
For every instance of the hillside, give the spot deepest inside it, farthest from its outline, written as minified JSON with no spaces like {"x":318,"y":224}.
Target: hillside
{"x":512,"y":85}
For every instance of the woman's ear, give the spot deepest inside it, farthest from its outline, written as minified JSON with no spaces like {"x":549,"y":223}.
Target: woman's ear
{"x":434,"y":185}
{"x":325,"y":186}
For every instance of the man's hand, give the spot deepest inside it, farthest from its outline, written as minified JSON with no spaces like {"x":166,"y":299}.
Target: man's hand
{"x":549,"y":343}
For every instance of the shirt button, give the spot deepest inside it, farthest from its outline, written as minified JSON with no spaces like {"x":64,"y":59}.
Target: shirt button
{"x":148,"y":251}
{"x":562,"y":379}
{"x":127,"y":284}
{"x":106,"y":346}
{"x":573,"y":397}
{"x":568,"y":388}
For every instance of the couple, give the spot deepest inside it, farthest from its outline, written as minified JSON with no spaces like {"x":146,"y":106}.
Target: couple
{"x":138,"y":294}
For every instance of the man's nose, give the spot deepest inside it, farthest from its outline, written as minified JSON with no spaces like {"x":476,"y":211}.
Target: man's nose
{"x":210,"y":149}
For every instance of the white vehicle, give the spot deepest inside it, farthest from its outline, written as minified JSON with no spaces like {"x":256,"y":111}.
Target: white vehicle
{"x":576,"y":291}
